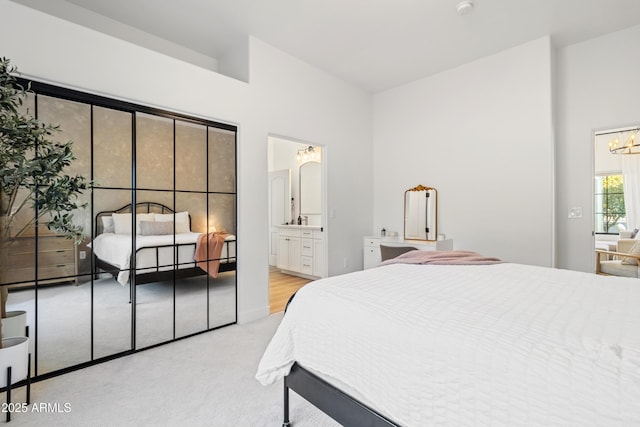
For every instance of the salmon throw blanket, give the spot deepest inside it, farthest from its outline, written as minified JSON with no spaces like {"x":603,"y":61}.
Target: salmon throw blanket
{"x":442,"y":258}
{"x":208,"y":250}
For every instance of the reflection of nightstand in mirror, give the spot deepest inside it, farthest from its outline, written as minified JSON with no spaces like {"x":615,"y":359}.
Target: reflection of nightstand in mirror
{"x":372,"y":247}
{"x":56,"y":257}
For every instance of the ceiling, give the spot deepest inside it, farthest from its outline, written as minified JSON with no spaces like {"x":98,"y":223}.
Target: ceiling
{"x":374,"y":44}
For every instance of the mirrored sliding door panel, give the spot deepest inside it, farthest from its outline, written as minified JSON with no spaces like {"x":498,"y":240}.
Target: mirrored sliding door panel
{"x":155,"y":257}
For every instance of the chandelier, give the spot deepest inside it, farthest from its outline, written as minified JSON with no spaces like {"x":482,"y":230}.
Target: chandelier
{"x":626,"y":142}
{"x":308,"y":154}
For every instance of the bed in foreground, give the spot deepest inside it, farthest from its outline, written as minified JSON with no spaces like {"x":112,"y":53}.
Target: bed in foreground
{"x":463,"y":345}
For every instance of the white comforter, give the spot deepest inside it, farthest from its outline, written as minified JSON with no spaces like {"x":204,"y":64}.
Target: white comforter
{"x":116,"y":250}
{"x":494,"y":345}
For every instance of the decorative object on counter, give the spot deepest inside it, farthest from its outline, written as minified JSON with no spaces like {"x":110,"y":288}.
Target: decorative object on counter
{"x":299,"y":220}
{"x":383,"y":232}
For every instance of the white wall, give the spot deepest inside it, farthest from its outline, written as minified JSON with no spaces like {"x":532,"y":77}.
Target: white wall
{"x":481,"y":134}
{"x":285,"y":97}
{"x":604,"y":160}
{"x":598,"y":88}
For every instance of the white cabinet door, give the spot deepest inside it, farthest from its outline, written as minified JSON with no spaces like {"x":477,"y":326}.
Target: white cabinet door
{"x":289,"y":253}
{"x":371,"y":252}
{"x":283,"y":252}
{"x":295,"y":261}
{"x":318,"y":258}
{"x":371,"y":256}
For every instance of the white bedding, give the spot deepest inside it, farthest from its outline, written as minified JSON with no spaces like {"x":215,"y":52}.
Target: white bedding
{"x":116,"y":250}
{"x":492,"y":345}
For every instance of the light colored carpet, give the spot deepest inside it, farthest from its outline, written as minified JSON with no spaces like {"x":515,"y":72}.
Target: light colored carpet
{"x":206,"y":380}
{"x":64,"y":316}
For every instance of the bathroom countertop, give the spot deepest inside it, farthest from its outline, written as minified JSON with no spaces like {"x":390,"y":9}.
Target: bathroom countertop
{"x":313,"y":227}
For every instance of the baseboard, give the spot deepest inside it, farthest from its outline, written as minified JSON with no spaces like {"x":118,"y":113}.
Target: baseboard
{"x":247,"y":316}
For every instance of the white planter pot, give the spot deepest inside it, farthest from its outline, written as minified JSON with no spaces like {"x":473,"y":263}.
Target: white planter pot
{"x":14,"y":324}
{"x":14,"y":353}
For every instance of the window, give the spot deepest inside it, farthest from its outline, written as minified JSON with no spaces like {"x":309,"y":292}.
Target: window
{"x":609,"y":207}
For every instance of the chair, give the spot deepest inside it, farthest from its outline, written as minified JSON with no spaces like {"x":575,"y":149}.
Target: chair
{"x":388,"y":252}
{"x":613,"y":264}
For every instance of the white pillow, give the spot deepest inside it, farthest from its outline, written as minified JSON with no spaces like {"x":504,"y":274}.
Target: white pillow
{"x":635,"y":250}
{"x":107,"y":224}
{"x":154,"y":228}
{"x":181,"y":221}
{"x":122,"y":222}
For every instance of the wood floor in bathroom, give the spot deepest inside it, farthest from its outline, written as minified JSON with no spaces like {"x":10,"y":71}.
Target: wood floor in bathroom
{"x":281,"y":287}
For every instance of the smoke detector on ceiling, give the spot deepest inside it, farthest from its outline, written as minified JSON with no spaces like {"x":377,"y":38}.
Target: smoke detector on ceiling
{"x":464,"y":7}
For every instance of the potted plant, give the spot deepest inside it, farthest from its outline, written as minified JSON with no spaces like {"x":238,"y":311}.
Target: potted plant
{"x":32,"y":174}
{"x":14,"y":324}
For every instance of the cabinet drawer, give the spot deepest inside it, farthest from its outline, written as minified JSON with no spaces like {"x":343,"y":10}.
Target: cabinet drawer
{"x":306,"y":249}
{"x":44,"y":273}
{"x":45,"y":259}
{"x":290,"y":232}
{"x":45,"y":243}
{"x":307,"y":265}
{"x":372,"y":242}
{"x":307,"y":234}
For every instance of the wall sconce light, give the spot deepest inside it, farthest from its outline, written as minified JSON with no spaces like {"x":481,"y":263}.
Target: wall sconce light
{"x":307,"y":154}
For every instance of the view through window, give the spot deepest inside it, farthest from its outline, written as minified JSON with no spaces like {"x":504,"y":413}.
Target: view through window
{"x":609,"y":208}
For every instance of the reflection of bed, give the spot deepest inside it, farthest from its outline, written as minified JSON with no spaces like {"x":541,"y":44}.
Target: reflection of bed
{"x":155,"y":257}
{"x":502,"y":344}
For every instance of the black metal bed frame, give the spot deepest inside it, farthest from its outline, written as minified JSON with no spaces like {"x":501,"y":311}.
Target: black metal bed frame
{"x":334,"y":402}
{"x":157,"y":275}
{"x":339,"y":405}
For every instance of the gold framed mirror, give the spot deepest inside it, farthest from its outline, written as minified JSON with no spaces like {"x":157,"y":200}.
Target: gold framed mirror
{"x":421,"y":213}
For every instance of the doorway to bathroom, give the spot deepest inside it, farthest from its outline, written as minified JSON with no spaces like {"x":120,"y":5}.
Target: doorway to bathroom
{"x":297,"y":228}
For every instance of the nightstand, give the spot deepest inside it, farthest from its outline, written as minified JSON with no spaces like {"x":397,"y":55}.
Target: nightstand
{"x":56,"y":257}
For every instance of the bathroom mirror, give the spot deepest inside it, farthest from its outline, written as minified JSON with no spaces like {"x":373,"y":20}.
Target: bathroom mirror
{"x":310,"y":185}
{"x":421,"y":213}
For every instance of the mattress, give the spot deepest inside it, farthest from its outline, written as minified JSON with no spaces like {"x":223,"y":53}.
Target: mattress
{"x":115,"y":249}
{"x":488,"y":345}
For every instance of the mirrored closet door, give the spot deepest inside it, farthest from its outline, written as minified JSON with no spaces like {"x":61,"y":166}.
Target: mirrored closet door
{"x":157,"y":257}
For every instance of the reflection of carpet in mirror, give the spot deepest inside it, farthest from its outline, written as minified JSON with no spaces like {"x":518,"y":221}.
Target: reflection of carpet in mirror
{"x":154,"y":317}
{"x":64,"y":316}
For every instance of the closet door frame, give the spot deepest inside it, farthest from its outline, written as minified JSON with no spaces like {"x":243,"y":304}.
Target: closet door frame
{"x":93,"y":100}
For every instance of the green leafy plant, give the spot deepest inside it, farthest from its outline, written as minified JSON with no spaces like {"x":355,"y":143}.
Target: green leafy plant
{"x":32,"y":173}
{"x":613,"y":208}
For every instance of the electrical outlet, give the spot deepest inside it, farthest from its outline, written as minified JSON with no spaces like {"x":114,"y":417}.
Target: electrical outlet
{"x":83,"y":254}
{"x":575,"y":212}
